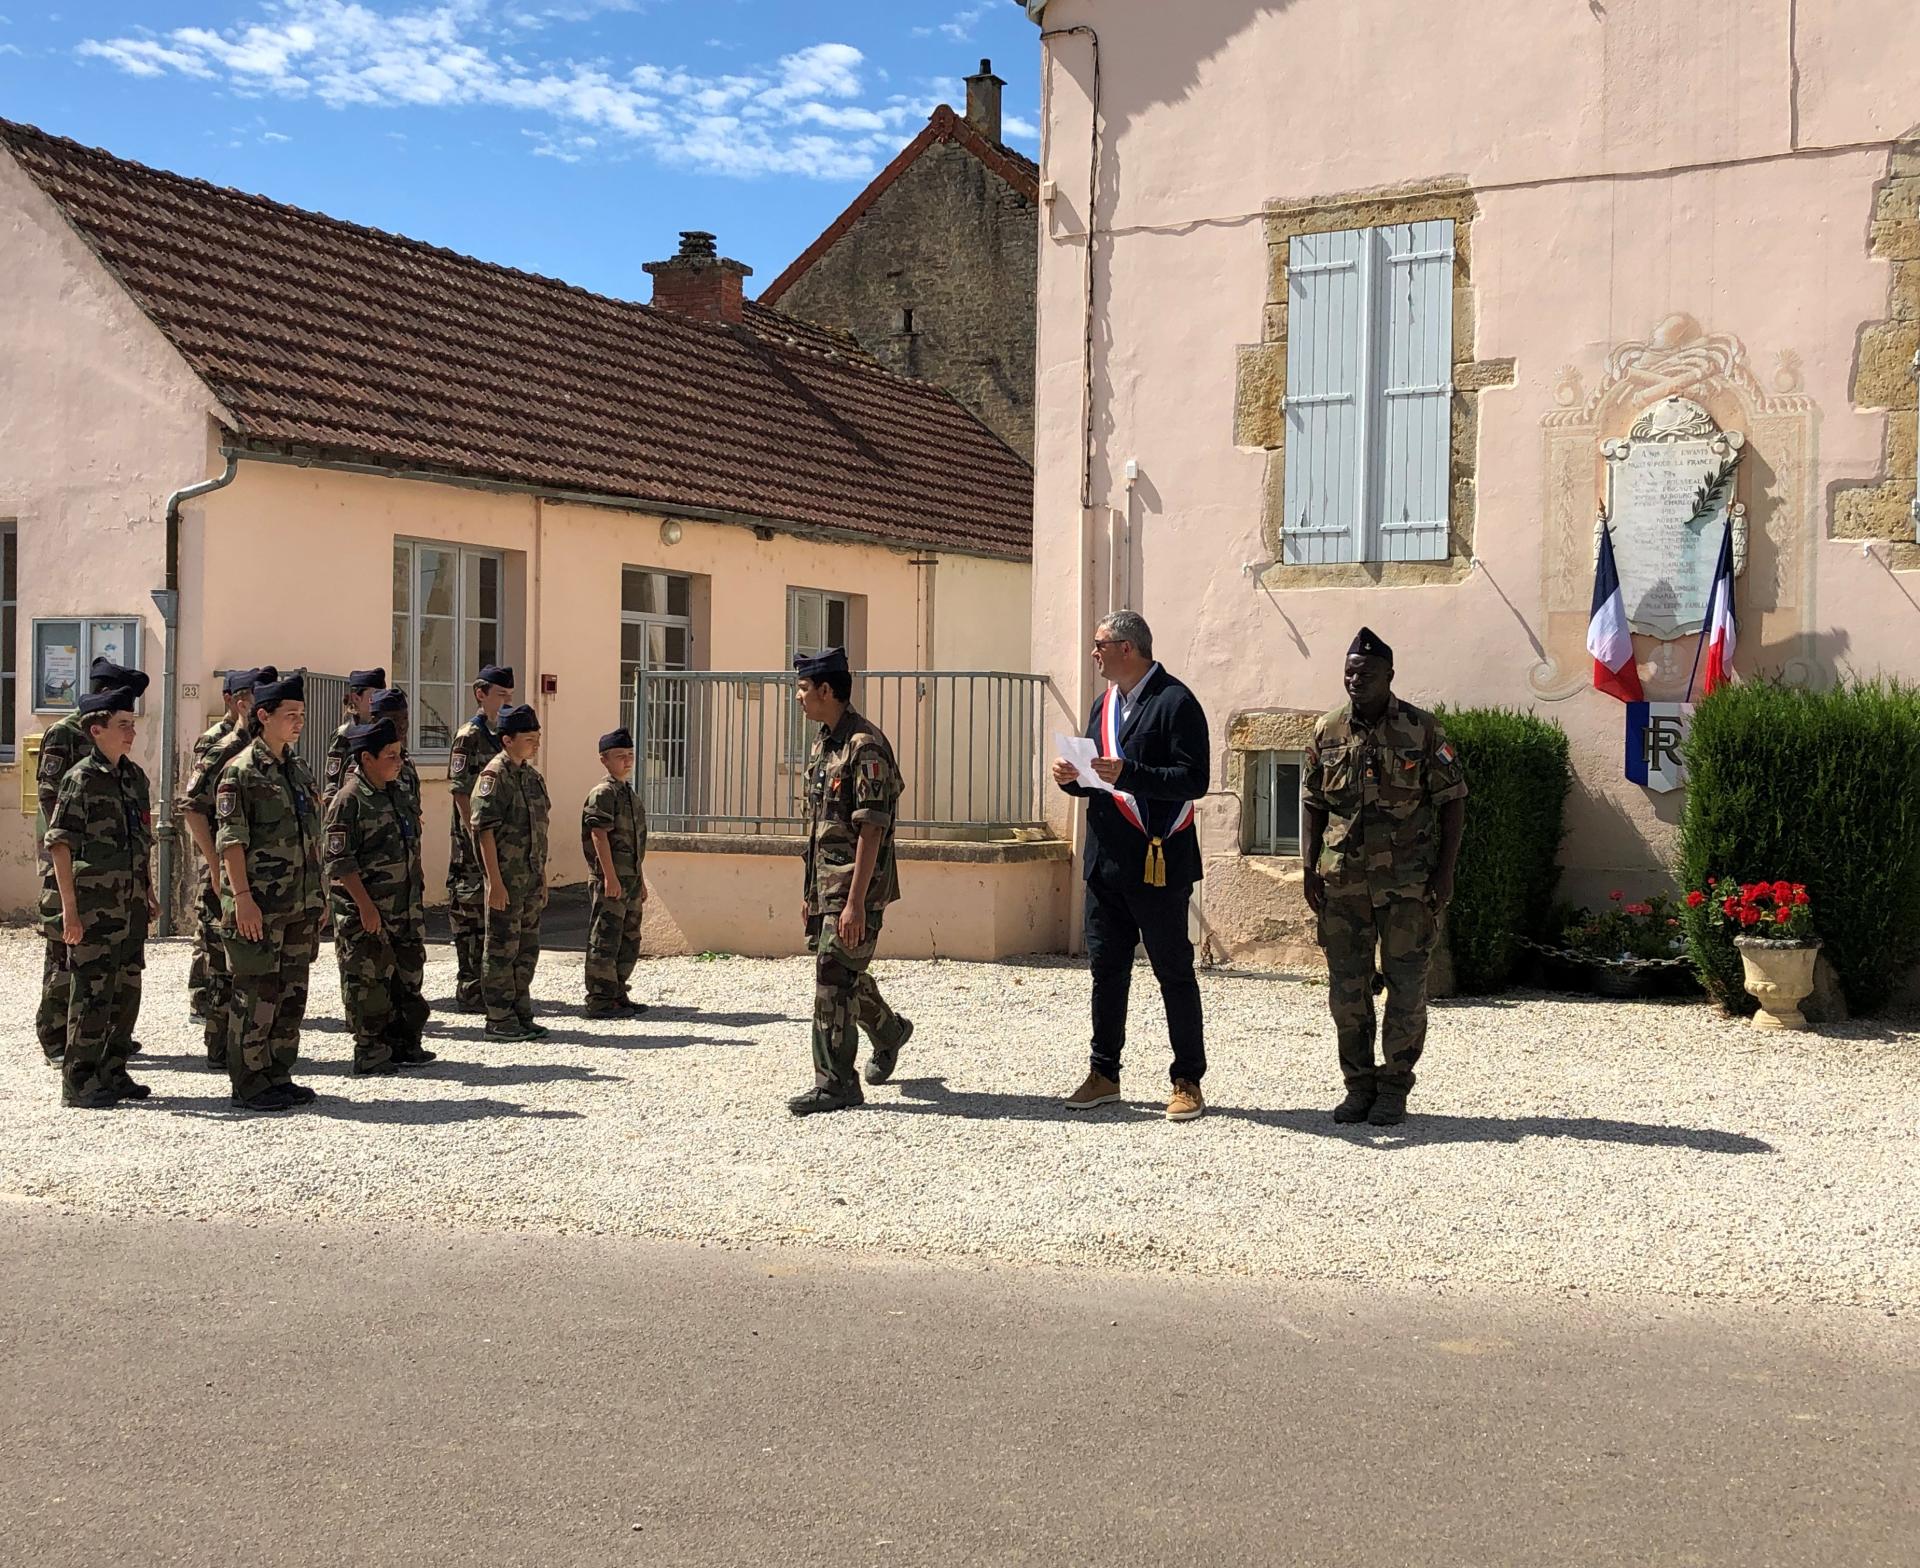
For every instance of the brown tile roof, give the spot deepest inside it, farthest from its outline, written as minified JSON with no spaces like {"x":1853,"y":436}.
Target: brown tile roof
{"x":1023,"y":174}
{"x":322,"y":335}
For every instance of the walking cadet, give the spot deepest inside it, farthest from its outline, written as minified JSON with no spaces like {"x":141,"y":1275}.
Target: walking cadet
{"x":510,"y":831}
{"x":64,"y":744}
{"x":853,"y":786}
{"x":236,"y":699}
{"x":613,"y":836}
{"x":362,"y":686}
{"x":379,"y":925}
{"x":269,"y":842}
{"x":1384,"y":800}
{"x":197,"y":812}
{"x":100,"y":842}
{"x":475,"y":744}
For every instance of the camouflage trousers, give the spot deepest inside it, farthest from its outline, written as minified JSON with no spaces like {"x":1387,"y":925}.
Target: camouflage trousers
{"x":104,"y":976}
{"x":56,"y":996}
{"x":512,"y":955}
{"x":269,"y":1002}
{"x":380,"y":991}
{"x":215,"y":992}
{"x":467,"y":921}
{"x":845,"y":1000}
{"x":613,"y":943}
{"x":1352,"y":927}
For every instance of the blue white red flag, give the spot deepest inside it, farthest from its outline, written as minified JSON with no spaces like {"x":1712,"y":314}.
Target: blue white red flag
{"x":1609,"y":639}
{"x":1720,"y":631}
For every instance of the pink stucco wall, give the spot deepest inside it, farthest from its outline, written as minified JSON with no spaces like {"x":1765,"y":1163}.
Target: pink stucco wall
{"x":1645,"y":174}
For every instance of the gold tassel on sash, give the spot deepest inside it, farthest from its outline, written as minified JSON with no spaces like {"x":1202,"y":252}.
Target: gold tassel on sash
{"x":1156,"y":864}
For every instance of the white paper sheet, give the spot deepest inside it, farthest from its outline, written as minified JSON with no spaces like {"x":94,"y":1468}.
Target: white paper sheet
{"x":1080,"y":750}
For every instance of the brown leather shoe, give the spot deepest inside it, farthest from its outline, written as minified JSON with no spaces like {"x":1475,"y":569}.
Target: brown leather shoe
{"x":1099,"y":1089}
{"x":1185,"y":1104}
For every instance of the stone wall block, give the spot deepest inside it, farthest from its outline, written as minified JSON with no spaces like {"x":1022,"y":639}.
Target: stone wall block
{"x":1259,"y":385}
{"x":1897,"y":240}
{"x":1885,"y":375}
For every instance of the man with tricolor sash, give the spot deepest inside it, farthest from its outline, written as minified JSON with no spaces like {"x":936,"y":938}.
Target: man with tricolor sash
{"x":1152,"y":763}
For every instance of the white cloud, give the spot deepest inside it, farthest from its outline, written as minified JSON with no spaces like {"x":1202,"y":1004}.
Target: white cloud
{"x":801,"y":115}
{"x":1018,"y":125}
{"x":275,"y":136}
{"x":958,"y":27}
{"x":11,"y":49}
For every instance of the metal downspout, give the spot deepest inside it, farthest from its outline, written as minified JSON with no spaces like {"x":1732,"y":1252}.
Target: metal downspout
{"x":167,"y":601}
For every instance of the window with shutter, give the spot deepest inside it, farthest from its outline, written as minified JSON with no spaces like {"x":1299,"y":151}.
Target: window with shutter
{"x":1369,"y":394}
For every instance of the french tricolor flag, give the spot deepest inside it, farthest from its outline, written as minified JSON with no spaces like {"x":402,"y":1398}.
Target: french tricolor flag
{"x":1720,"y":630}
{"x":1608,"y":639}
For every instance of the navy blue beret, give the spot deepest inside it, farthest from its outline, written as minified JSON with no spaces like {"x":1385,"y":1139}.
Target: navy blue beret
{"x":494,"y":675}
{"x":366,"y":680}
{"x":519,"y":719}
{"x":119,"y":699}
{"x":377,"y":736}
{"x":282,"y":688}
{"x":392,"y":700}
{"x":108,"y":676}
{"x":616,"y":740}
{"x":812,"y":666}
{"x":238,"y":681}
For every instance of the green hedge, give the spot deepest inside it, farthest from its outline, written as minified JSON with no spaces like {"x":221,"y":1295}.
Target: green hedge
{"x":1517,"y":774}
{"x":1814,"y":787}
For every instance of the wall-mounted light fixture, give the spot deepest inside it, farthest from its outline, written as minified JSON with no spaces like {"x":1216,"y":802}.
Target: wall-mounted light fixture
{"x":670,"y":532}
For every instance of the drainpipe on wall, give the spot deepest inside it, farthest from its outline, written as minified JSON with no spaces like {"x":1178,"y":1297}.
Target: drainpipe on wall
{"x":167,"y":601}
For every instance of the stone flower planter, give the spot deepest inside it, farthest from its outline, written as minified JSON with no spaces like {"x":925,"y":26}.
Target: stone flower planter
{"x":1779,"y":977}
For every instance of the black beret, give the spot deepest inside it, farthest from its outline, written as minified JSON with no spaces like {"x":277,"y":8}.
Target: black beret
{"x":237,"y":681}
{"x":1367,"y":645}
{"x":494,"y":675}
{"x":519,"y":719}
{"x":117,"y":699}
{"x":366,"y":680}
{"x":108,"y":676}
{"x":261,"y":676}
{"x":617,"y":740}
{"x":811,"y":666}
{"x":392,"y":700}
{"x":281,"y":688}
{"x":376,"y":736}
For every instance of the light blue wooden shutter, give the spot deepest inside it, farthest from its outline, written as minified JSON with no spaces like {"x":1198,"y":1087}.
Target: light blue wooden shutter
{"x":1327,"y":348}
{"x":1412,"y":415}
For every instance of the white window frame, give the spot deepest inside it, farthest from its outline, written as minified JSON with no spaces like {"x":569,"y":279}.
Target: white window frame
{"x":1260,"y":796}
{"x":466,"y":662}
{"x":84,"y":656}
{"x":10,"y":653}
{"x":799,"y":742}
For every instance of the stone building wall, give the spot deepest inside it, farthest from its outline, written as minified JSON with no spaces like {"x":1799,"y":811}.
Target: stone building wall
{"x":936,"y":280}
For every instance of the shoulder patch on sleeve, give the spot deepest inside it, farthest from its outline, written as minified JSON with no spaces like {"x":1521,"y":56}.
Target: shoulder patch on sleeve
{"x":1446,"y":753}
{"x":227,"y":800}
{"x":50,"y":765}
{"x":336,"y":841}
{"x":485,"y":786}
{"x":457,"y":762}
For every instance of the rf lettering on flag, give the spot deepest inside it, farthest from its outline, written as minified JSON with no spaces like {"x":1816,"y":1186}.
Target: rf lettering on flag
{"x":1609,"y":639}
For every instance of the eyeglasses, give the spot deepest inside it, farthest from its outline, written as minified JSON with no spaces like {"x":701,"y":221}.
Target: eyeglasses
{"x":1100,"y":643}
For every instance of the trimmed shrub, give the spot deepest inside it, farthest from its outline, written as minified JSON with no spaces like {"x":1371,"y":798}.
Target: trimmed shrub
{"x":1814,"y":787}
{"x":1517,"y":775}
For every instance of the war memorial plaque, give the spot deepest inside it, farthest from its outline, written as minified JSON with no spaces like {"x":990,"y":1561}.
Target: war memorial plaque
{"x":1670,"y":492}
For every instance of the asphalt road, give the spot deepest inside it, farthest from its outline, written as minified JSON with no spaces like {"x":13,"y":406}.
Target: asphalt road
{"x":214,"y":1395}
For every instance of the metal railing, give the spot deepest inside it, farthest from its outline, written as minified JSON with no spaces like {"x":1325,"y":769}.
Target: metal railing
{"x":725,"y":751}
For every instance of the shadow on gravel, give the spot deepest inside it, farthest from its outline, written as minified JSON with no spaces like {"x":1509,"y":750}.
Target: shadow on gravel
{"x":402,"y":1113}
{"x":674,"y":1015}
{"x":484,"y":1075}
{"x":932,"y":1097}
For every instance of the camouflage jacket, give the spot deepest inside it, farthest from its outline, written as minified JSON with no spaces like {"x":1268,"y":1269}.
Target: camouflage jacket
{"x":210,"y":739}
{"x":103,"y":814}
{"x":269,"y":807}
{"x":338,"y":761}
{"x":1379,"y":786}
{"x":614,"y":807}
{"x":371,"y":832}
{"x":204,"y":780}
{"x":475,"y":744}
{"x":63,"y":745}
{"x":511,"y":798}
{"x":852,"y":780}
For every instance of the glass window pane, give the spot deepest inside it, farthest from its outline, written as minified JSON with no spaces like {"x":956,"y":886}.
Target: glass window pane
{"x":56,"y":664}
{"x":436,"y":652}
{"x":674,"y":642}
{"x":680,"y":596}
{"x":115,"y":640}
{"x":806,"y":623}
{"x":402,"y":578}
{"x":632,"y":591}
{"x":483,"y":586}
{"x":10,"y":565}
{"x":438,"y":716}
{"x":657,"y":648}
{"x":483,"y":645}
{"x":400,"y":661}
{"x":836,"y":623}
{"x":438,"y":569}
{"x":629,"y":643}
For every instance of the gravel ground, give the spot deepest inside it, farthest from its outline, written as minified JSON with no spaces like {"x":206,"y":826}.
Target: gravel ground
{"x":1567,"y":1145}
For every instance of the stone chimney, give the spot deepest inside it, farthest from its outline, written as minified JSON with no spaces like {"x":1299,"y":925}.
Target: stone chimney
{"x":983,"y":102}
{"x":699,"y":281}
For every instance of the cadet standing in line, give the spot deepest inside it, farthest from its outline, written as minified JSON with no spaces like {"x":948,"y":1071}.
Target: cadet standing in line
{"x":613,"y":836}
{"x":1385,"y":801}
{"x":475,"y":744}
{"x":391,"y":705}
{"x":197,"y":811}
{"x":362,"y":685}
{"x":379,"y":926}
{"x":853,"y":786}
{"x":100,"y":841}
{"x":64,"y":744}
{"x":236,"y":698}
{"x":510,"y":830}
{"x":269,"y":841}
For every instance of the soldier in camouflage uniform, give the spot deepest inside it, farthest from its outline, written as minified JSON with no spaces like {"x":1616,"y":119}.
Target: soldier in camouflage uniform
{"x":1384,"y":800}
{"x":268,"y":811}
{"x":100,"y":842}
{"x":362,"y":686}
{"x":391,"y":705}
{"x":209,"y":957}
{"x":64,"y":744}
{"x":475,"y":744}
{"x":613,"y":837}
{"x":510,"y":811}
{"x":379,"y":924}
{"x":853,"y":786}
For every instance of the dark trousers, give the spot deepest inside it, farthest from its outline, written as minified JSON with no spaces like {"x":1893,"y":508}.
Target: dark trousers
{"x":1117,"y":919}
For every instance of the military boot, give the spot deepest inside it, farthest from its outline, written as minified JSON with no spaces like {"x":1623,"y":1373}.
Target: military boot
{"x":1356,"y":1105}
{"x":1389,"y":1108}
{"x":827,"y":1097}
{"x":272,"y":1098}
{"x":885,"y":1058}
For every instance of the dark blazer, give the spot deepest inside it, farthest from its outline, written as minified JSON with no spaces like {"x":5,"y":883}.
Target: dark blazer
{"x":1168,"y":761}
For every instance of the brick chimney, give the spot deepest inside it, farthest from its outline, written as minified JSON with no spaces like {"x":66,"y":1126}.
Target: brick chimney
{"x":699,"y":281}
{"x":983,"y":101}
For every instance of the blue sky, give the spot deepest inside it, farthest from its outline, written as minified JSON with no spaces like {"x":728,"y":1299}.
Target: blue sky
{"x":570,"y":137}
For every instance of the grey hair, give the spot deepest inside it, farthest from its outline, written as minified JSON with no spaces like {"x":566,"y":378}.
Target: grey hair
{"x":1131,"y":626}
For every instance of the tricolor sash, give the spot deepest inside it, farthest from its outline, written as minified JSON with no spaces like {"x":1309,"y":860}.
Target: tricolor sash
{"x":1131,"y":809}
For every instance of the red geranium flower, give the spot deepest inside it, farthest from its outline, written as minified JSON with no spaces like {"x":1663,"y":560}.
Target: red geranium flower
{"x":1782,"y":916}
{"x":1639,"y":909}
{"x":1749,"y":916}
{"x":1616,"y":895}
{"x":1696,"y":898}
{"x":1799,"y":894}
{"x":1782,"y":891}
{"x":1729,"y":904}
